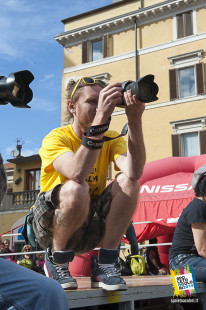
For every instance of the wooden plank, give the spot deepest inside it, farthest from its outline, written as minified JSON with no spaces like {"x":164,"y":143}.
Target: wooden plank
{"x":84,"y":283}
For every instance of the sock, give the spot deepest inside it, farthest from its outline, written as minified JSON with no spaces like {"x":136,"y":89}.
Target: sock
{"x":108,"y":256}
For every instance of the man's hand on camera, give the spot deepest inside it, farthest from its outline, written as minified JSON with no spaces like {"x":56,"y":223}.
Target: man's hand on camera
{"x":133,"y":106}
{"x":109,"y":97}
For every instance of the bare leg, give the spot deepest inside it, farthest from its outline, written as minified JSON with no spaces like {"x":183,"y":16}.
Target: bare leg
{"x":124,"y":201}
{"x":71,"y":212}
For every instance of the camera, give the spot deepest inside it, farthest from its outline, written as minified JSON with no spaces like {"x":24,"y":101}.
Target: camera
{"x":144,"y":88}
{"x":15,"y":89}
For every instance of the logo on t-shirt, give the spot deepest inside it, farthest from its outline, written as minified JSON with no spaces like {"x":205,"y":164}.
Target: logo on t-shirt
{"x":184,"y":283}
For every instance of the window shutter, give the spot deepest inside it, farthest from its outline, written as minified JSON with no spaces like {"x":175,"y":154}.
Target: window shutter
{"x":173,"y":84}
{"x":105,"y":40}
{"x":84,"y":51}
{"x":202,"y":137}
{"x":188,"y":23}
{"x":200,"y":78}
{"x":180,"y":29}
{"x":176,"y":145}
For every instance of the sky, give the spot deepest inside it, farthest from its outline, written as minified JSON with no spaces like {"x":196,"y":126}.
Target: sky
{"x":27,"y":31}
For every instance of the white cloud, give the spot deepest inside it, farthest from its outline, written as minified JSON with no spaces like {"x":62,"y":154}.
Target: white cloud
{"x":9,"y":149}
{"x":44,"y":105}
{"x":26,"y":27}
{"x":48,"y":78}
{"x":29,"y":152}
{"x":25,"y":151}
{"x":21,"y":6}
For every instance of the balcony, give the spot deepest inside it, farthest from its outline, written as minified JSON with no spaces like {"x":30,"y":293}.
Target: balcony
{"x":19,"y":201}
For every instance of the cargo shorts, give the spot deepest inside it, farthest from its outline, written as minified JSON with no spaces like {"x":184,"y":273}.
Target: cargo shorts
{"x":87,"y":237}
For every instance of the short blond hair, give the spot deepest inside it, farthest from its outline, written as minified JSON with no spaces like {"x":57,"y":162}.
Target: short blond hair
{"x":27,"y":246}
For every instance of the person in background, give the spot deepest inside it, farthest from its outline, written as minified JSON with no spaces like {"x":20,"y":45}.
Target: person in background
{"x":7,"y":246}
{"x":39,"y":263}
{"x":7,"y":249}
{"x":26,"y":259}
{"x":134,"y":250}
{"x":2,"y":247}
{"x":131,"y":237}
{"x":151,"y":255}
{"x":189,"y":240}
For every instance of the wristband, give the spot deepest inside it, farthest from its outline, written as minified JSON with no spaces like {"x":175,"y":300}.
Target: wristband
{"x":97,"y":130}
{"x":91,"y":143}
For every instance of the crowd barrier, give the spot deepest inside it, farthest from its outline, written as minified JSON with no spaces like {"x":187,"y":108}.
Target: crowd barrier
{"x":7,"y":234}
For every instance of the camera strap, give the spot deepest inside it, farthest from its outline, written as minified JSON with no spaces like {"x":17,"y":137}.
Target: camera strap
{"x":97,"y":130}
{"x":92,"y":143}
{"x":97,"y":144}
{"x":123,"y":133}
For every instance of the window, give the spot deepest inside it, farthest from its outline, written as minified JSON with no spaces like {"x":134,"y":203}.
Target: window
{"x":186,"y":82}
{"x":184,"y":24}
{"x":188,"y":76}
{"x":190,"y":144}
{"x":95,"y":49}
{"x":33,"y":179}
{"x":189,"y":137}
{"x":187,"y":144}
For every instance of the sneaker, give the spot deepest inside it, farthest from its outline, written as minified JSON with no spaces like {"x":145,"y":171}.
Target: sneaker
{"x":57,"y":267}
{"x":106,"y":276}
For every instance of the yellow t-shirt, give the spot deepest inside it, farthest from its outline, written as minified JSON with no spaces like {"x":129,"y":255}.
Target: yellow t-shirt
{"x":63,"y":139}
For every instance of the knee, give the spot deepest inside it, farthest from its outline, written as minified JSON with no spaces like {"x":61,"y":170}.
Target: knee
{"x":128,"y":186}
{"x":75,"y":195}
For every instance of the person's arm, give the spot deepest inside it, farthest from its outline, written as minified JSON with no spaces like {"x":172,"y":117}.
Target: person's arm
{"x":3,"y":180}
{"x":155,"y":263}
{"x":132,"y":163}
{"x":77,"y":166}
{"x":199,"y":234}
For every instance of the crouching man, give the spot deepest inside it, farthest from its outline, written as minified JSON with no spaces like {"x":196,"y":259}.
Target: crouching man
{"x":75,"y":211}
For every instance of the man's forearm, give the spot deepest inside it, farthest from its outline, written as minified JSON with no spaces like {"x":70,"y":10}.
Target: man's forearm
{"x":85,"y":158}
{"x":82,"y":163}
{"x":136,"y":154}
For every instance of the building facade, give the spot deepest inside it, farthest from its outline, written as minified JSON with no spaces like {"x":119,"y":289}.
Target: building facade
{"x":23,"y":184}
{"x":130,"y":39}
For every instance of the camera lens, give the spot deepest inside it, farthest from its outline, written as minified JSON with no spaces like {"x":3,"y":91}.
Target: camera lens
{"x":144,"y":90}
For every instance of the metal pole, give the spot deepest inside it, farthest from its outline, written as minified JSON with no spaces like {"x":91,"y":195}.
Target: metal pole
{"x":136,"y":71}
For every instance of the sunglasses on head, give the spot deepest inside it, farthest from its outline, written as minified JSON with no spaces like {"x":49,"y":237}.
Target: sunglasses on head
{"x":88,"y":81}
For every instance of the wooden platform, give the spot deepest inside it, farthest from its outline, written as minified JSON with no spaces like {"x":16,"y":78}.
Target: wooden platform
{"x":139,"y":288}
{"x":84,"y":283}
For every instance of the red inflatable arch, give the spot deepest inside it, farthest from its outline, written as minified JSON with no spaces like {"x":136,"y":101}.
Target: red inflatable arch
{"x":165,"y":191}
